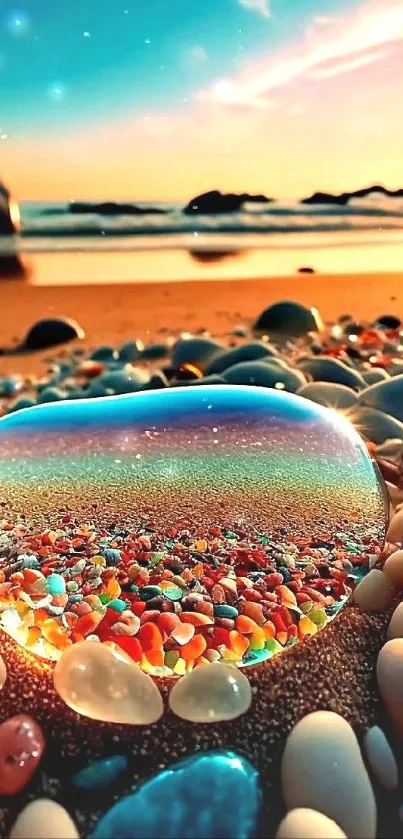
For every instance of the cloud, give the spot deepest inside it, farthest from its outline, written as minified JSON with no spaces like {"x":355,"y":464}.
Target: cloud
{"x":371,"y":33}
{"x":196,"y":55}
{"x":260,"y":6}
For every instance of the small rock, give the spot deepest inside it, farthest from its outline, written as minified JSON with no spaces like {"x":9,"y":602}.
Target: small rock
{"x":21,"y":749}
{"x":290,"y":318}
{"x":210,"y":794}
{"x":322,"y":769}
{"x":211,"y":694}
{"x":375,"y":425}
{"x":264,"y":375}
{"x":395,"y":531}
{"x":380,"y":757}
{"x":51,"y":331}
{"x":154,"y":351}
{"x":51,"y":394}
{"x":395,"y":628}
{"x":131,"y":350}
{"x":302,"y":823}
{"x":104,"y":353}
{"x":329,"y":395}
{"x":157,"y":381}
{"x":44,"y":819}
{"x":253,"y":351}
{"x":240,"y":331}
{"x":197,"y":351}
{"x":123,"y":381}
{"x":372,"y":377}
{"x":332,"y":370}
{"x":100,"y":773}
{"x":210,"y":380}
{"x":393,"y":569}
{"x":306,"y":270}
{"x":20,"y":404}
{"x":374,"y":592}
{"x":97,"y":683}
{"x":388,"y":322}
{"x":389,"y":673}
{"x":386,"y":396}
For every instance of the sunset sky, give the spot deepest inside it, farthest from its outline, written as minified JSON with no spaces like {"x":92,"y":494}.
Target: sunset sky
{"x":162,"y":99}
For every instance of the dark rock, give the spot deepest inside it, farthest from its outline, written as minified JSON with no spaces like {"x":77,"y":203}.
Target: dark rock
{"x":156,"y":382}
{"x":324,"y":369}
{"x":388,"y":322}
{"x":263,"y":375}
{"x":197,"y":351}
{"x":51,"y":394}
{"x":346,"y":318}
{"x":240,"y":331}
{"x":24,"y":402}
{"x":376,"y":425}
{"x":246,"y":352}
{"x":306,"y":270}
{"x":131,"y":350}
{"x":216,"y":202}
{"x":352,"y":327}
{"x":289,"y":318}
{"x":328,"y":394}
{"x":50,"y":332}
{"x":345,"y":197}
{"x":386,"y":396}
{"x":111,"y":208}
{"x":104,"y":353}
{"x":154,"y":351}
{"x":210,"y":380}
{"x":377,"y":374}
{"x":123,"y":382}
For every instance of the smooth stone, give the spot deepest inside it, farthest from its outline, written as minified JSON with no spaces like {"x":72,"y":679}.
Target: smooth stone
{"x":197,"y":351}
{"x":380,"y":757}
{"x":154,"y":351}
{"x":332,"y":370}
{"x":290,"y":318}
{"x":210,"y":380}
{"x":51,"y":394}
{"x":375,"y":425}
{"x":393,"y":569}
{"x":303,"y":823}
{"x":322,"y":769}
{"x":131,"y":351}
{"x":389,"y":673}
{"x":24,"y":402}
{"x":156,"y":381}
{"x":44,"y":819}
{"x":208,"y":795}
{"x":100,"y":773}
{"x":123,"y":381}
{"x":99,"y":684}
{"x":388,"y":322}
{"x":104,"y":353}
{"x":3,"y":671}
{"x":51,"y":331}
{"x":21,"y":748}
{"x":374,"y":592}
{"x":329,"y":395}
{"x":372,"y":377}
{"x":253,"y":351}
{"x":386,"y":396}
{"x":391,"y":450}
{"x":211,"y":694}
{"x":395,"y":530}
{"x":264,"y":375}
{"x":395,"y":628}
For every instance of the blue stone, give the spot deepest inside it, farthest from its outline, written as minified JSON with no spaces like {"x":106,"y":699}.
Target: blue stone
{"x":105,"y":353}
{"x":148,"y":592}
{"x":55,"y":584}
{"x":225,"y":611}
{"x":112,"y":556}
{"x":209,"y":795}
{"x":100,"y":773}
{"x":117,"y":605}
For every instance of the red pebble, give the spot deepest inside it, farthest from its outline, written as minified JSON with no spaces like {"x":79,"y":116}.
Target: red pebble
{"x":21,"y":748}
{"x":273,"y":580}
{"x":130,"y":645}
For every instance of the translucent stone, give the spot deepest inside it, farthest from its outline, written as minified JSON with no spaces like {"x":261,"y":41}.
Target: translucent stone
{"x":97,"y":683}
{"x":44,"y":819}
{"x":3,"y":671}
{"x":211,"y":694}
{"x":21,"y":748}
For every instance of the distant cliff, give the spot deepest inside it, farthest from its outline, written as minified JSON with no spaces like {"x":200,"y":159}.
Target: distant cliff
{"x":111,"y":208}
{"x":345,"y":197}
{"x":213,"y":202}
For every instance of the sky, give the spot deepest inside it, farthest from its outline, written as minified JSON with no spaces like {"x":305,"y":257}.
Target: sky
{"x":159,"y":100}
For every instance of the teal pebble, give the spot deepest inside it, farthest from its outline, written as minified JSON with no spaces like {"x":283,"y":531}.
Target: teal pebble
{"x":173,"y":593}
{"x":209,"y":795}
{"x":55,"y":584}
{"x":148,"y":592}
{"x":225,"y":611}
{"x":117,"y":605}
{"x":100,"y":773}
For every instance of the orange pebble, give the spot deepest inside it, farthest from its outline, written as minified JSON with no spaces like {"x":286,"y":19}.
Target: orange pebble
{"x":40,"y":615}
{"x":60,"y":600}
{"x":269,"y":629}
{"x":167,"y":622}
{"x":306,"y":627}
{"x":155,"y":657}
{"x":183,"y":633}
{"x":113,"y":588}
{"x":54,"y":633}
{"x":282,"y":638}
{"x":196,"y":618}
{"x":150,"y":637}
{"x":32,"y":635}
{"x":245,"y":625}
{"x":286,"y":595}
{"x":238,"y":643}
{"x":138,"y":607}
{"x":88,"y":623}
{"x":194,"y":648}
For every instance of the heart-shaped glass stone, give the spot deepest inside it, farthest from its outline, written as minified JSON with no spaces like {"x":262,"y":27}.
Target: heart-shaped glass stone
{"x":185,"y":526}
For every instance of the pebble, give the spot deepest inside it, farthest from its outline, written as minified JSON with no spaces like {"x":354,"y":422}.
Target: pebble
{"x":3,"y":671}
{"x":264,"y":375}
{"x":389,"y":673}
{"x":100,"y":773}
{"x":380,"y":757}
{"x":21,"y":749}
{"x":104,"y":353}
{"x":207,"y":795}
{"x":123,"y":381}
{"x":328,"y":394}
{"x":322,"y":769}
{"x":386,"y":396}
{"x":375,"y":425}
{"x":290,"y":318}
{"x":303,"y":823}
{"x":372,"y":377}
{"x":51,"y":331}
{"x":131,"y":350}
{"x":44,"y":819}
{"x":374,"y":592}
{"x":211,"y":694}
{"x":393,"y":569}
{"x":196,"y":351}
{"x":154,"y":351}
{"x":395,"y":530}
{"x":332,"y":370}
{"x":388,"y":322}
{"x":395,"y":628}
{"x":253,"y":351}
{"x":97,"y":683}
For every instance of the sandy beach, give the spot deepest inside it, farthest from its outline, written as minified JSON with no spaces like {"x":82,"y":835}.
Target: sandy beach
{"x":114,"y":313}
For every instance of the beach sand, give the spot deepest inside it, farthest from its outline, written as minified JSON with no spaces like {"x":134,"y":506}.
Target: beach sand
{"x":115,"y":313}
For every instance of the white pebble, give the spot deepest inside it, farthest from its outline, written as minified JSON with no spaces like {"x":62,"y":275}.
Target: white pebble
{"x":395,"y":532}
{"x":211,"y":694}
{"x":44,"y":819}
{"x":389,"y":673}
{"x":374,"y":592}
{"x":380,"y":757}
{"x":393,"y":569}
{"x":322,"y":769}
{"x":395,"y":628}
{"x":303,"y":823}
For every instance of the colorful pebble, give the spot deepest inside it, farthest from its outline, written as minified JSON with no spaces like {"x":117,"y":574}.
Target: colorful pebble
{"x":100,"y":773}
